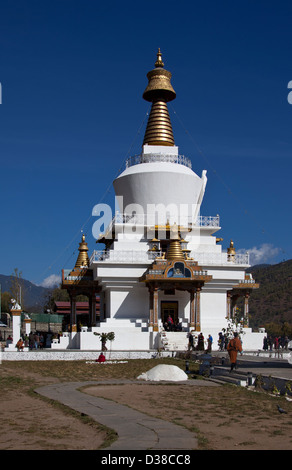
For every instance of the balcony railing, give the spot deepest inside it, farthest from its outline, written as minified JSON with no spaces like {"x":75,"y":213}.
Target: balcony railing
{"x":158,"y":157}
{"x":221,"y":259}
{"x":135,"y":256}
{"x":150,"y":219}
{"x":124,"y":256}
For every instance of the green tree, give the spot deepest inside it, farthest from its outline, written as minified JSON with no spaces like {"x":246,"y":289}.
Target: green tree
{"x":53,"y":296}
{"x":104,"y":337}
{"x":5,"y":302}
{"x":60,"y":295}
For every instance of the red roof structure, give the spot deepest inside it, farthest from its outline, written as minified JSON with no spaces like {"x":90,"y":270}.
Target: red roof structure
{"x":64,"y":308}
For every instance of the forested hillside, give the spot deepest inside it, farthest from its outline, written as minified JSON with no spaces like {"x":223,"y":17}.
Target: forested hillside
{"x":272,"y":302}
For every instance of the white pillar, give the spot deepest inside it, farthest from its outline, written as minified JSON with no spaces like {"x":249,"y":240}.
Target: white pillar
{"x":27,"y":322}
{"x":16,"y":327}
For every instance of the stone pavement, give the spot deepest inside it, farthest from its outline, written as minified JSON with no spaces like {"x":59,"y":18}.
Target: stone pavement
{"x":136,"y":430}
{"x":266,"y":365}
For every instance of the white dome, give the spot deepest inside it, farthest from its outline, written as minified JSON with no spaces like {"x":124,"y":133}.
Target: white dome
{"x":163,"y":183}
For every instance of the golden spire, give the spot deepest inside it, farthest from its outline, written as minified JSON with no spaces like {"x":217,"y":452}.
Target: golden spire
{"x":159,"y":62}
{"x":82,"y":259}
{"x":159,"y":91}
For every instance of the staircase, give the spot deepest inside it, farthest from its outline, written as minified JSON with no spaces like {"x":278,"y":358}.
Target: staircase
{"x":174,"y":340}
{"x":236,"y":377}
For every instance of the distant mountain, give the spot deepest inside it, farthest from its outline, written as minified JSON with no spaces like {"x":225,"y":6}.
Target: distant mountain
{"x":33,"y":297}
{"x":272,"y":302}
{"x":258,"y":266}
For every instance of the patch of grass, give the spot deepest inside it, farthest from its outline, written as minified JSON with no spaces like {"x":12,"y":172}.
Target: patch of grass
{"x":11,"y":382}
{"x":203,"y":442}
{"x":247,"y":443}
{"x":277,"y":432}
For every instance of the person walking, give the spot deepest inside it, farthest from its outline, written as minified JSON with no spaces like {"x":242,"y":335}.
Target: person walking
{"x":221,"y":341}
{"x":234,"y":346}
{"x":200,"y":346}
{"x":210,"y":341}
{"x":36,"y":340}
{"x":191,"y":342}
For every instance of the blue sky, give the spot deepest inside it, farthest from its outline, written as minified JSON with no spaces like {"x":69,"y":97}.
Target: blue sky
{"x":72,"y":75}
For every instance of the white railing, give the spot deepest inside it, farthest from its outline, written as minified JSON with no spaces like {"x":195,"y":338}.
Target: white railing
{"x":67,"y":276}
{"x":150,"y":220}
{"x":246,"y":281}
{"x":220,"y":259}
{"x":207,"y":221}
{"x":138,"y":256}
{"x":124,"y":256}
{"x":158,"y":157}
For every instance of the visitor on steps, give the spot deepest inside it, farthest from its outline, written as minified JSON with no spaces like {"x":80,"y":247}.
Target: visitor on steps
{"x":234,"y":346}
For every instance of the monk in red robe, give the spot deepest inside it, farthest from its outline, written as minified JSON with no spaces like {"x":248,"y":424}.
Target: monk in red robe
{"x":101,"y":358}
{"x":234,"y":346}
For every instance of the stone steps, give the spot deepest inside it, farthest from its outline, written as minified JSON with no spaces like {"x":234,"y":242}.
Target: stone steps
{"x":174,"y":341}
{"x":222,"y":374}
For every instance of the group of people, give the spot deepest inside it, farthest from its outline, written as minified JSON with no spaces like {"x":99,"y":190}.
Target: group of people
{"x":170,"y":325}
{"x":233,"y":346}
{"x":275,"y":342}
{"x":223,"y":341}
{"x":198,"y":343}
{"x":32,"y":341}
{"x":36,"y":340}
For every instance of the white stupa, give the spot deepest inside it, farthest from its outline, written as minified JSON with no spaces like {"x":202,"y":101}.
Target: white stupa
{"x":162,"y":258}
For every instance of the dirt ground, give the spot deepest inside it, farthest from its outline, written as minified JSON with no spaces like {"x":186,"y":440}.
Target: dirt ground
{"x":223,"y":418}
{"x":219,"y":425}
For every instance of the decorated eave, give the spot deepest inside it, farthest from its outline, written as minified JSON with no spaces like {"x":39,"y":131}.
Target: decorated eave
{"x":175,"y":274}
{"x":247,"y":285}
{"x":78,"y":276}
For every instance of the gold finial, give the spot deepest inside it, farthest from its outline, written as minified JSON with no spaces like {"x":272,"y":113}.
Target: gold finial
{"x":159,"y":91}
{"x":82,"y":259}
{"x":159,"y":62}
{"x":231,"y":251}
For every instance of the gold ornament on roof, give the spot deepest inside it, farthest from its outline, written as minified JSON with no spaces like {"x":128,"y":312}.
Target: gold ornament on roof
{"x":159,"y":62}
{"x":159,"y":91}
{"x":231,"y":251}
{"x":174,"y":250}
{"x":82,"y":259}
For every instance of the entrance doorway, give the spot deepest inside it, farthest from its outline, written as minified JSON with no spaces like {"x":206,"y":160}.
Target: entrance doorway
{"x":169,"y":309}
